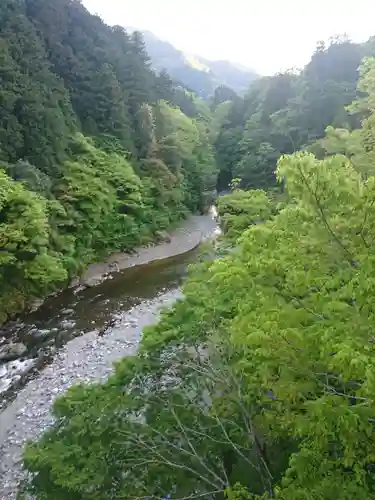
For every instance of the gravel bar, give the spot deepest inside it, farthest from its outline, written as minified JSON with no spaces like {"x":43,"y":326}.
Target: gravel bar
{"x":84,"y":359}
{"x":183,"y":239}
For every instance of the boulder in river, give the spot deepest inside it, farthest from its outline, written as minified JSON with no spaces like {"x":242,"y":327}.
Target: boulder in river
{"x":15,"y":368}
{"x":74,"y":283}
{"x":67,"y":311}
{"x":11,"y":351}
{"x":67,"y":324}
{"x":11,"y":373}
{"x":36,"y":304}
{"x":40,"y":333}
{"x":92,"y":281}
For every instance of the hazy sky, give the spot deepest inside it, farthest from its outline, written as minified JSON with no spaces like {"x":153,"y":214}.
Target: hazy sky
{"x":267,"y":35}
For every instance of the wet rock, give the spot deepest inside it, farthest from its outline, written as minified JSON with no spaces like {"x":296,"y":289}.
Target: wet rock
{"x":36,"y":304}
{"x":67,"y":325}
{"x":11,"y":351}
{"x":74,"y":283}
{"x":67,"y":311}
{"x":19,"y":325}
{"x":80,"y":288}
{"x":163,"y":236}
{"x":41,"y":333}
{"x":94,"y":281}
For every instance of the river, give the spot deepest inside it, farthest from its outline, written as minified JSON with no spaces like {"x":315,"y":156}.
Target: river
{"x":78,"y":335}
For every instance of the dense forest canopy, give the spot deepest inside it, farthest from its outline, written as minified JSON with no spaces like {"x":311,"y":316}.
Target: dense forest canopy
{"x":288,"y":112}
{"x":96,"y":154}
{"x":259,"y":383}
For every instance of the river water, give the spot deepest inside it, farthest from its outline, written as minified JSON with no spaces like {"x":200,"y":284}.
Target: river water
{"x":74,"y":313}
{"x":77,"y":337}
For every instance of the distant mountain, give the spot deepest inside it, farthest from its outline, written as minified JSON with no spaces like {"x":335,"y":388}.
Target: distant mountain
{"x":195,"y":72}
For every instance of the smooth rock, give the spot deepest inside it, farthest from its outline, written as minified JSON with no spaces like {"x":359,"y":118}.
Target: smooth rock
{"x":92,"y":281}
{"x":67,"y":311}
{"x":68,"y":325}
{"x":80,"y":288}
{"x":74,"y":283}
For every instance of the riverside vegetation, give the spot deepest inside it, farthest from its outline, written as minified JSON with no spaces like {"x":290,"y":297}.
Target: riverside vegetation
{"x":95,"y":157}
{"x":259,"y":383}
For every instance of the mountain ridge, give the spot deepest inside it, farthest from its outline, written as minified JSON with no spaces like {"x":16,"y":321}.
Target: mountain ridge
{"x":193,"y":71}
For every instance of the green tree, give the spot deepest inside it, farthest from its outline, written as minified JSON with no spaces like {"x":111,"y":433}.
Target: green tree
{"x":223,"y":94}
{"x":29,"y":267}
{"x":36,"y":118}
{"x":241,"y":209}
{"x":288,"y":111}
{"x":101,"y":197}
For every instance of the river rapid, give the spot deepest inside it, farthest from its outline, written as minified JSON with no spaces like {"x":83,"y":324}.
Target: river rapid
{"x":78,"y":335}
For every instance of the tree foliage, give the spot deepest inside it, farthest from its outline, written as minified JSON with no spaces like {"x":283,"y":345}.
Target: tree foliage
{"x":94,"y":138}
{"x":287,"y":112}
{"x":28,"y":266}
{"x":241,"y":209}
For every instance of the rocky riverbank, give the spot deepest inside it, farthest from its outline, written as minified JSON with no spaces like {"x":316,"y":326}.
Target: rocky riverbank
{"x":84,"y":359}
{"x":87,"y":357}
{"x":26,"y":346}
{"x":182,"y":240}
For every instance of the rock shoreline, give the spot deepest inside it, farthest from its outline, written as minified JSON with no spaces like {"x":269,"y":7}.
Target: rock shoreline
{"x":182,"y":240}
{"x":16,"y":364}
{"x":84,"y":359}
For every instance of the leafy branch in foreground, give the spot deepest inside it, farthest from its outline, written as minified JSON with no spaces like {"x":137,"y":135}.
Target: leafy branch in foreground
{"x":183,"y":427}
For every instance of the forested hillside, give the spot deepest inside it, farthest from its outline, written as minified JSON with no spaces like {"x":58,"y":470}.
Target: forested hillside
{"x":95,"y":154}
{"x":287,"y":112}
{"x":259,"y":383}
